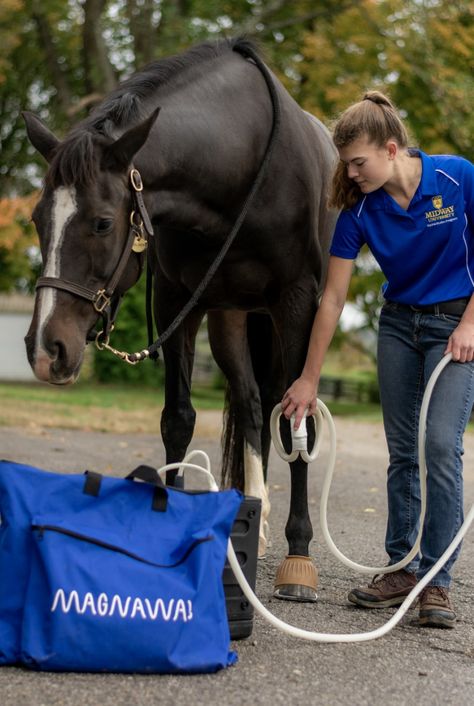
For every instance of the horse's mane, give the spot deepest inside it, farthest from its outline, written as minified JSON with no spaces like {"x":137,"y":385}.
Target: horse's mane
{"x":74,"y":161}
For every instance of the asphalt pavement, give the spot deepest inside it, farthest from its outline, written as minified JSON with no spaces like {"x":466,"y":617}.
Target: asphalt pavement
{"x":408,"y":666}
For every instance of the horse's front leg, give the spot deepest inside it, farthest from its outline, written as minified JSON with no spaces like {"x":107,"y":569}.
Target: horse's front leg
{"x":297,"y":577}
{"x":178,"y":416}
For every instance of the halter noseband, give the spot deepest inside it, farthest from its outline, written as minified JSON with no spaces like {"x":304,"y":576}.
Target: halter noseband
{"x":101,"y":299}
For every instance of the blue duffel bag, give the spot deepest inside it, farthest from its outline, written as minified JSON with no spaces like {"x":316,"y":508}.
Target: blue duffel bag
{"x":106,"y":574}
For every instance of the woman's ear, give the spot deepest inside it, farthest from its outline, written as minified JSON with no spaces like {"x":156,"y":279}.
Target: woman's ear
{"x":392,"y":149}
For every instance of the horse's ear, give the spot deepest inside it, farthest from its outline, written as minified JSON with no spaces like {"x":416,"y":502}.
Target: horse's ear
{"x":119,"y":155}
{"x":40,"y":137}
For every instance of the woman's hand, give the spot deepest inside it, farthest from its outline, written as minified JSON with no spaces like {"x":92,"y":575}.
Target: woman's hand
{"x":461,"y":343}
{"x":299,"y":399}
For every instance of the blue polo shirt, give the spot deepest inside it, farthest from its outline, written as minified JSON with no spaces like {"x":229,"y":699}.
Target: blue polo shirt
{"x":426,"y":252}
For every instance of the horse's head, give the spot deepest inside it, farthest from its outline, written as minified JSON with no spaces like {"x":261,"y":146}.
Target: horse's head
{"x":86,"y":237}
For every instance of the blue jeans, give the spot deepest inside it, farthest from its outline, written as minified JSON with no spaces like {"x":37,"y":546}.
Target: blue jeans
{"x":410,"y":345}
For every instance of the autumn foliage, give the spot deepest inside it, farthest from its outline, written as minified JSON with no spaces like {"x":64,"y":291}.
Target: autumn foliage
{"x":18,"y":242}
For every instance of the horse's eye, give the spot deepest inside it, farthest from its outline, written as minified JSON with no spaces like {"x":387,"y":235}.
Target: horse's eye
{"x":102,"y":226}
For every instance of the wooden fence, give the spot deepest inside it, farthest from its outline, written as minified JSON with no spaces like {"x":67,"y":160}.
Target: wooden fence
{"x":338,"y":389}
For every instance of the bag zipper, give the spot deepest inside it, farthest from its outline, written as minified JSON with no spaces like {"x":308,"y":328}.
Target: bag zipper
{"x":105,"y":545}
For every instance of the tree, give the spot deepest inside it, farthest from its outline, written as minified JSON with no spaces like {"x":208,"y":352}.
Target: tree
{"x":420,"y":52}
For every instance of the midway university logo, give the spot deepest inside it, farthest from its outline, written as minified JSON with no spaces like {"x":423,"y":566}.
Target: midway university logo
{"x":104,"y":605}
{"x":440,"y":213}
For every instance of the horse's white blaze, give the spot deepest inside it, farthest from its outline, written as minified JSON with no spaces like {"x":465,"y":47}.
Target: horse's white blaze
{"x":255,"y":486}
{"x":64,"y":207}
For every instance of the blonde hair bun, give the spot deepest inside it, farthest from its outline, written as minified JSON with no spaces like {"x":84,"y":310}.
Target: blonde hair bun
{"x":378,"y":98}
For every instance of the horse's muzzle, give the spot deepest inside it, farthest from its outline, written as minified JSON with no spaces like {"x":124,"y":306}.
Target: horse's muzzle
{"x":53,"y":366}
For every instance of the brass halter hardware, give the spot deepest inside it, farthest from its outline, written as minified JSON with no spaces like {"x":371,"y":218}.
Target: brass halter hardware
{"x":101,"y":301}
{"x":140,"y":242}
{"x":136,"y":180}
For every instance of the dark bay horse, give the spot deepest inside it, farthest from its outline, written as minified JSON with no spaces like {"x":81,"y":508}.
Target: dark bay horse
{"x":197,"y":162}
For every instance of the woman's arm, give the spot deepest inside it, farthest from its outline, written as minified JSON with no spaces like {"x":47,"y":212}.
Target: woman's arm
{"x":301,"y":396}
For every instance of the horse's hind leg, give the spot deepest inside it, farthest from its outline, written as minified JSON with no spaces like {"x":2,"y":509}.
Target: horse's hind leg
{"x":242,"y":457}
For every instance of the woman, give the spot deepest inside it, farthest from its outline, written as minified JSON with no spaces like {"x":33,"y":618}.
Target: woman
{"x":416,"y":214}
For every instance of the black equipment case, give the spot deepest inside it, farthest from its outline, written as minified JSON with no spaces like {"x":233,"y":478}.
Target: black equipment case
{"x":244,"y":538}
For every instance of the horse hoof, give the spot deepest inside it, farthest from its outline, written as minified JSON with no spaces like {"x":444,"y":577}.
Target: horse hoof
{"x":296,"y":580}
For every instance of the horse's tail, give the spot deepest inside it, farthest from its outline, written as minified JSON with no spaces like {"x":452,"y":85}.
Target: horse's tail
{"x":260,"y":341}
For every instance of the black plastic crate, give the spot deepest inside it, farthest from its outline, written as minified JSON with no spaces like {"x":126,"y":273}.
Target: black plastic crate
{"x":244,"y":538}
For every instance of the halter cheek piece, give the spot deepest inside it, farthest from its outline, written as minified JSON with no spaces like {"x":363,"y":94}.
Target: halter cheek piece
{"x":103,"y":300}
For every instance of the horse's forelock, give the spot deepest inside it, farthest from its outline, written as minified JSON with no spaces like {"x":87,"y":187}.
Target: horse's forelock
{"x":75,"y":161}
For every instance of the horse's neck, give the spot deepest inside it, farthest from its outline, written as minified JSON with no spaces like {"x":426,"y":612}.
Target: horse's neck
{"x":196,"y":154}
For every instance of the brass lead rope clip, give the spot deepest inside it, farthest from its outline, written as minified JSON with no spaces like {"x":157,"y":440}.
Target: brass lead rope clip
{"x":123,"y":355}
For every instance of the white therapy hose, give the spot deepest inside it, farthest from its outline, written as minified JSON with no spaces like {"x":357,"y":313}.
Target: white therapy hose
{"x":379,"y":632}
{"x":300,"y":447}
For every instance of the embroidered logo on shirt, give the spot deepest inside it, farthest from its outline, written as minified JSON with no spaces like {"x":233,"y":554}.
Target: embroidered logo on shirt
{"x":440,"y":214}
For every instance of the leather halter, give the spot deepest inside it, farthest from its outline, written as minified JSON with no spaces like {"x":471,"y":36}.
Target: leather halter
{"x":101,"y":299}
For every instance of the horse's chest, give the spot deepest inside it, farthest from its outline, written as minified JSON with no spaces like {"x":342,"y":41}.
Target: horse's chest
{"x":236,"y":284}
{"x":239,"y":280}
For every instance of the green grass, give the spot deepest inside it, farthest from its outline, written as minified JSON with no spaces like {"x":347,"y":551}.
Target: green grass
{"x":17,"y":396}
{"x":94,"y":407}
{"x":100,"y":395}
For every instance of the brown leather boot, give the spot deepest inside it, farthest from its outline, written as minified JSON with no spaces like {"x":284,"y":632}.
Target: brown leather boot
{"x":436,"y":610}
{"x":385,"y":590}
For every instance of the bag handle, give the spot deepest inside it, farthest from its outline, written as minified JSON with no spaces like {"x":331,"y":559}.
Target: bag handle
{"x":147,"y":474}
{"x":150,"y":475}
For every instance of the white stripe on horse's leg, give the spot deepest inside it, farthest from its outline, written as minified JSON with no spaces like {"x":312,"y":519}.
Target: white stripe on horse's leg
{"x":64,"y":207}
{"x":255,"y":486}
